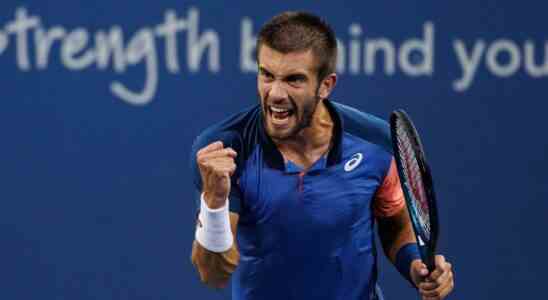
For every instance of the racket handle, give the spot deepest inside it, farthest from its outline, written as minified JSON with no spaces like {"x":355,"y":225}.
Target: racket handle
{"x":428,"y":257}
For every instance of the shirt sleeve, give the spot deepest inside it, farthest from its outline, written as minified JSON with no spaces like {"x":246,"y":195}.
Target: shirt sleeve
{"x":389,"y":198}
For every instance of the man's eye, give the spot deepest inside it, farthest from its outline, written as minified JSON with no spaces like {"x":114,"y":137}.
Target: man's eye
{"x":266,"y":74}
{"x":296,"y":79}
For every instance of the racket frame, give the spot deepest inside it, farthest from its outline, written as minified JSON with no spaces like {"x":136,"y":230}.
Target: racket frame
{"x":427,"y":246}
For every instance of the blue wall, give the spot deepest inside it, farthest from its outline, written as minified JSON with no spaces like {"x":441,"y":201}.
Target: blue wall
{"x":96,"y":200}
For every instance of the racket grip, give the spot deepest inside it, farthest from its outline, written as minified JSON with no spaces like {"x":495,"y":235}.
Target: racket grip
{"x":428,"y":257}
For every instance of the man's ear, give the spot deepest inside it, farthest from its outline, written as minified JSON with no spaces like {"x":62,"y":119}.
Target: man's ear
{"x":327,"y":85}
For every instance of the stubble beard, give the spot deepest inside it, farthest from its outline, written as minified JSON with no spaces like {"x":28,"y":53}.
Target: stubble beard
{"x":304,"y":118}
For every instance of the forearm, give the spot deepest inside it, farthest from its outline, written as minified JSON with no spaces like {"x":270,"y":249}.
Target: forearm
{"x":216,"y":268}
{"x":396,"y":232}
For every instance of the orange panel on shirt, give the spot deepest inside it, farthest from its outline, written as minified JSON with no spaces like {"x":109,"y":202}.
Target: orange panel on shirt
{"x":389,"y":197}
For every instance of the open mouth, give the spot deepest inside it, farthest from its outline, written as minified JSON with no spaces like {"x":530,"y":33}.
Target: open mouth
{"x":280,"y":115}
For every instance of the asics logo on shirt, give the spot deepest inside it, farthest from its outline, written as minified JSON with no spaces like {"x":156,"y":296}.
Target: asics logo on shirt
{"x":354,"y":161}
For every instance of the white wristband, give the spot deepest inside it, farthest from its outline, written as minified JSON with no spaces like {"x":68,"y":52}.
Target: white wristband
{"x":213,"y":229}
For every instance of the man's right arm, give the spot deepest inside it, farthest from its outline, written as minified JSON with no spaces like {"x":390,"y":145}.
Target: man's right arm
{"x":215,"y":268}
{"x":214,"y":251}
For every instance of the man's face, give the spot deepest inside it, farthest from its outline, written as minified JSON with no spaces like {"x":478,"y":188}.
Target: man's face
{"x":288,"y":90}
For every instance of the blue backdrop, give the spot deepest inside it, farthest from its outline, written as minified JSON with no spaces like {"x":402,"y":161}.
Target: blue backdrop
{"x":101,"y":101}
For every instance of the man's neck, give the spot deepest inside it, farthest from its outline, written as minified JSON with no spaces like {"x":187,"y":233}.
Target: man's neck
{"x":312,"y":142}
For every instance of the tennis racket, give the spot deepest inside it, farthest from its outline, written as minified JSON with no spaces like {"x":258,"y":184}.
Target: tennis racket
{"x":416,"y":182}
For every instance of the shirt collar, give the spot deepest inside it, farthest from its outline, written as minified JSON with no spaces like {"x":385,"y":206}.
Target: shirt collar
{"x":273,"y":156}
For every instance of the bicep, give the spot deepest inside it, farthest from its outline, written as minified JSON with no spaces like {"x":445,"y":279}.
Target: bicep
{"x":389,"y":199}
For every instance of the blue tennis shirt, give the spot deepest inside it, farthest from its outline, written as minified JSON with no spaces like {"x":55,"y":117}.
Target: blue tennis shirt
{"x":304,"y":235}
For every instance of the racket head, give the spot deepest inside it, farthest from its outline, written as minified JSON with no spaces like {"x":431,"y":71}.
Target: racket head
{"x":417,"y":184}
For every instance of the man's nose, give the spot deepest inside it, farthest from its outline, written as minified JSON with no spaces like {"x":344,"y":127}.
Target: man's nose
{"x":278,"y":91}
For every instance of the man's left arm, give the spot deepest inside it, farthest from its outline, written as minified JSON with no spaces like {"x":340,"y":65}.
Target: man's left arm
{"x":399,"y":243}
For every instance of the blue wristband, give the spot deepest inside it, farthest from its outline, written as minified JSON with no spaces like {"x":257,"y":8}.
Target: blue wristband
{"x":407,"y":254}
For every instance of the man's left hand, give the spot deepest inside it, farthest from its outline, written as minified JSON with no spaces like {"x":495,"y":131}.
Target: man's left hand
{"x":436,"y":285}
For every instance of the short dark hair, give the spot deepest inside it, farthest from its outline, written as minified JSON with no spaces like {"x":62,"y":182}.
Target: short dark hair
{"x":296,"y":31}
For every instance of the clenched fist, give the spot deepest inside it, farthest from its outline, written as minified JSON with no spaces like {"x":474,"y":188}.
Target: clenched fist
{"x":216,"y":164}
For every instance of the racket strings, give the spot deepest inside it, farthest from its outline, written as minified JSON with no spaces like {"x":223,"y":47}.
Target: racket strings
{"x":414,"y":178}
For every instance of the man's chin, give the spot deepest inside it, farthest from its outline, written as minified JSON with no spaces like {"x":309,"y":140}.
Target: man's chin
{"x":280,"y":134}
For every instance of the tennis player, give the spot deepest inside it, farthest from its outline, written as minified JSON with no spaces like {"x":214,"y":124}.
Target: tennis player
{"x":290,"y":190}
